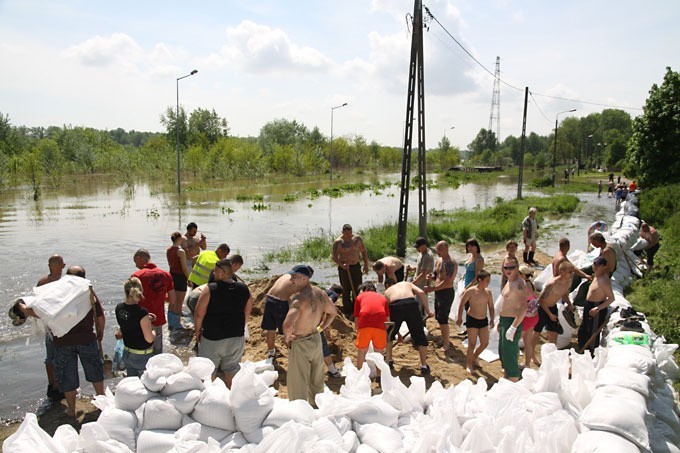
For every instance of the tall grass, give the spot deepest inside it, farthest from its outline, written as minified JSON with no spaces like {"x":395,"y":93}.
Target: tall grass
{"x":495,"y":224}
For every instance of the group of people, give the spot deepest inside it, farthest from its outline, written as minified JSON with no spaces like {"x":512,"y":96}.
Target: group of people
{"x":221,"y":303}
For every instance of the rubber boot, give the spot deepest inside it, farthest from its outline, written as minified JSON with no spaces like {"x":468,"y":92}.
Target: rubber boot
{"x":525,"y":256}
{"x":174,"y":322}
{"x":531,"y":258}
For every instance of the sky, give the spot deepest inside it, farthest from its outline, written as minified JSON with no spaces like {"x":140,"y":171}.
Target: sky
{"x":106,"y":64}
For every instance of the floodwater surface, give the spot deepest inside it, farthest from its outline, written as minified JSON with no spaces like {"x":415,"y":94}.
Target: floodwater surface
{"x":98,"y":224}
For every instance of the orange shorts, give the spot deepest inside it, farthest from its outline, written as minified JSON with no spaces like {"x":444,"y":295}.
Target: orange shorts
{"x":368,"y":334}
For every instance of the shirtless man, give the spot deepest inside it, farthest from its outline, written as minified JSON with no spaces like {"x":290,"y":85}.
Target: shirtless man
{"x":191,"y":244}
{"x":607,"y":251}
{"x":560,"y":256}
{"x":403,"y":298}
{"x":600,"y":296}
{"x":651,"y":235}
{"x":424,"y":265}
{"x":56,"y":266}
{"x":311,"y":311}
{"x":513,"y":309}
{"x":555,"y":290}
{"x":276,"y":308}
{"x":347,"y":250}
{"x":479,"y":297}
{"x":445,"y":271}
{"x":390,"y":266}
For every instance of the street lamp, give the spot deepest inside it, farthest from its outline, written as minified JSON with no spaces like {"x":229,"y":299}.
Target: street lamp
{"x":179,"y":190}
{"x":330,"y":152}
{"x":449,"y":129}
{"x":555,"y":147}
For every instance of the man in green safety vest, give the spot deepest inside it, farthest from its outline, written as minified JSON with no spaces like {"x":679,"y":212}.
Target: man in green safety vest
{"x":205,"y":263}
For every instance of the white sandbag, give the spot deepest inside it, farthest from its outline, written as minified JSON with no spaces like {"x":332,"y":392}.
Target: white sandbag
{"x":373,"y":410}
{"x":478,"y":439}
{"x":250,"y":399}
{"x":201,"y":367}
{"x":395,"y":392}
{"x":602,"y":442}
{"x":637,"y":358}
{"x":268,"y":377}
{"x":165,"y":364}
{"x":620,"y":411}
{"x":194,"y":446}
{"x":325,"y":429}
{"x":664,"y":410}
{"x":156,"y":441}
{"x":119,"y":425}
{"x":284,"y":410}
{"x":181,"y":382}
{"x":543,"y":404}
{"x":131,"y":393}
{"x":185,"y":402}
{"x":380,"y":437}
{"x":555,"y":432}
{"x":257,"y":435}
{"x":582,"y":366}
{"x":660,"y":433}
{"x":159,"y":413}
{"x":213,"y":408}
{"x":67,"y":437}
{"x":625,"y":378}
{"x":61,"y":304}
{"x":291,"y":437}
{"x":350,"y":441}
{"x":363,"y":448}
{"x":102,"y":402}
{"x":235,"y":441}
{"x":31,"y":438}
{"x":263,"y":365}
{"x":192,"y":430}
{"x":154,"y":380}
{"x":357,"y":384}
{"x":93,"y":439}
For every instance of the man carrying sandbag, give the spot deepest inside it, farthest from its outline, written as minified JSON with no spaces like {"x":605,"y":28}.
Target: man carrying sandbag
{"x":80,"y":342}
{"x":310,"y":309}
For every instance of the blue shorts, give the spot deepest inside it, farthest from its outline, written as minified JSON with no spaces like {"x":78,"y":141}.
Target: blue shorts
{"x":135,"y":364}
{"x":275,"y":312}
{"x":324,"y":345}
{"x":49,"y":350}
{"x":66,"y":365}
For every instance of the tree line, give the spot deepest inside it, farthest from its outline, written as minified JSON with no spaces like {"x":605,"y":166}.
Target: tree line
{"x":647,"y":147}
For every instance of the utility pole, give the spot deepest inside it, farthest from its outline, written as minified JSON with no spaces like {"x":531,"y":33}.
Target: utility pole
{"x":522,"y":142}
{"x":496,"y":102}
{"x":416,"y":77}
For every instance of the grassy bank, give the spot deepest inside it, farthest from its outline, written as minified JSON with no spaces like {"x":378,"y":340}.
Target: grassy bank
{"x":495,"y":224}
{"x":656,"y":294}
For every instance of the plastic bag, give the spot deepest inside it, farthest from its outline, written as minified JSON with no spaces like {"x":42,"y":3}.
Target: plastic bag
{"x":31,"y":438}
{"x":118,"y":362}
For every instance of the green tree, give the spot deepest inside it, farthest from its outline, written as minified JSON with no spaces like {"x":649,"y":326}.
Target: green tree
{"x":484,"y":140}
{"x":654,"y":149}
{"x":51,"y":159}
{"x":206,"y":127}
{"x":281,"y":132}
{"x":173,"y":121}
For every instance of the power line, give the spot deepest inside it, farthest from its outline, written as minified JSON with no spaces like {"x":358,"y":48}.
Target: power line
{"x":537,"y":107}
{"x":431,"y":16}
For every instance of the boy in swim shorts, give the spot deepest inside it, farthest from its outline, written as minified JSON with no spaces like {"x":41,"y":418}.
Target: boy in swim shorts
{"x":480,"y":299}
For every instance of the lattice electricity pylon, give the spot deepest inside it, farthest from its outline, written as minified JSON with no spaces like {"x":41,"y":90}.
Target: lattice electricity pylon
{"x":416,"y":77}
{"x":496,"y":102}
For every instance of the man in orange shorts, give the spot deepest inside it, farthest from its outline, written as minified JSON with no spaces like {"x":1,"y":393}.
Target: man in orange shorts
{"x":371,"y":310}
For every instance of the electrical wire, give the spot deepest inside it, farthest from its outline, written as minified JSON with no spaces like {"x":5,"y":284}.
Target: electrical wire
{"x":432,"y":17}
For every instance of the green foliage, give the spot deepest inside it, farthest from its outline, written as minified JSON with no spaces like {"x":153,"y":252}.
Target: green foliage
{"x":545,"y":181}
{"x":660,"y":204}
{"x":485,"y":140}
{"x":654,"y":149}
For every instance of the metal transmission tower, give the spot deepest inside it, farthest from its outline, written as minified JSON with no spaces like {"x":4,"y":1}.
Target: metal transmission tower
{"x":496,"y":102}
{"x":416,"y":77}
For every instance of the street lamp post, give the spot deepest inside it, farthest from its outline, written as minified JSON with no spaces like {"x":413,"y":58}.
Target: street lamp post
{"x":555,"y":147}
{"x":179,"y":190}
{"x":330,"y":152}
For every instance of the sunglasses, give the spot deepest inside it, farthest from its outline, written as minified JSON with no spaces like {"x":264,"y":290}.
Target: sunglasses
{"x":509,"y":268}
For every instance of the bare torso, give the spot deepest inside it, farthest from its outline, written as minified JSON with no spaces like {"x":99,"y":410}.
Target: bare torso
{"x":346,"y":251}
{"x":445,"y":271}
{"x":600,"y":289}
{"x":479,"y":300}
{"x":610,"y":255}
{"x":514,"y":299}
{"x":283,"y":288}
{"x":555,"y":290}
{"x":313,"y":304}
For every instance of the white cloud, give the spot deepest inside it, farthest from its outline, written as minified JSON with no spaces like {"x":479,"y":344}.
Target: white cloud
{"x":100,"y":51}
{"x":260,"y":49}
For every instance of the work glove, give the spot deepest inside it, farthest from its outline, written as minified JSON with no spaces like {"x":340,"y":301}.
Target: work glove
{"x":510,"y":333}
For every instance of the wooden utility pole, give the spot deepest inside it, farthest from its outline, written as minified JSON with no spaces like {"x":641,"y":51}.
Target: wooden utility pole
{"x":520,"y":178}
{"x":416,"y":77}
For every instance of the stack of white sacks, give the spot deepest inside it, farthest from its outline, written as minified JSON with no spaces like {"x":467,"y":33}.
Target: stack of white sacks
{"x":620,"y":401}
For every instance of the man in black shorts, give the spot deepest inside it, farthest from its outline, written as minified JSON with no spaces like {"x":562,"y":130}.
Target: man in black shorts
{"x":275,"y":310}
{"x":554,"y":291}
{"x":445,"y":270}
{"x":403,"y":298}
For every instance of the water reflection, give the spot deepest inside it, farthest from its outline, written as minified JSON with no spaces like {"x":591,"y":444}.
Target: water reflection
{"x":99,"y":223}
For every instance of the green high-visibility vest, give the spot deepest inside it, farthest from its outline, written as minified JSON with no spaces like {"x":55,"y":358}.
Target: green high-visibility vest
{"x":203,"y":266}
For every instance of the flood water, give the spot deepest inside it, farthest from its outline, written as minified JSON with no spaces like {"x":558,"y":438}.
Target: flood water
{"x":99,"y":224}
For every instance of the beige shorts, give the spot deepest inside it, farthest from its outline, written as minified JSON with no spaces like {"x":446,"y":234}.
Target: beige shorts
{"x":226,"y":354}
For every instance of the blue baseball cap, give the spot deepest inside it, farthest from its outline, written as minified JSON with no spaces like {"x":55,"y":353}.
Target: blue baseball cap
{"x":302,"y":269}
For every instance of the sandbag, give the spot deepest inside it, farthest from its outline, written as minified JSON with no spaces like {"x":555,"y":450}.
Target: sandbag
{"x":156,"y":441}
{"x":255,"y":436}
{"x":119,"y":425}
{"x":185,"y":402}
{"x":380,"y":437}
{"x":181,"y":382}
{"x":602,"y":442}
{"x":160,"y":414}
{"x":250,"y":399}
{"x":374,"y":410}
{"x":93,"y":439}
{"x":201,"y":367}
{"x":192,"y":430}
{"x":623,"y":378}
{"x":213,"y":408}
{"x":291,"y":437}
{"x":636,"y":358}
{"x":31,"y":438}
{"x":620,"y":411}
{"x":131,"y":393}
{"x":67,"y":437}
{"x":284,"y":410}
